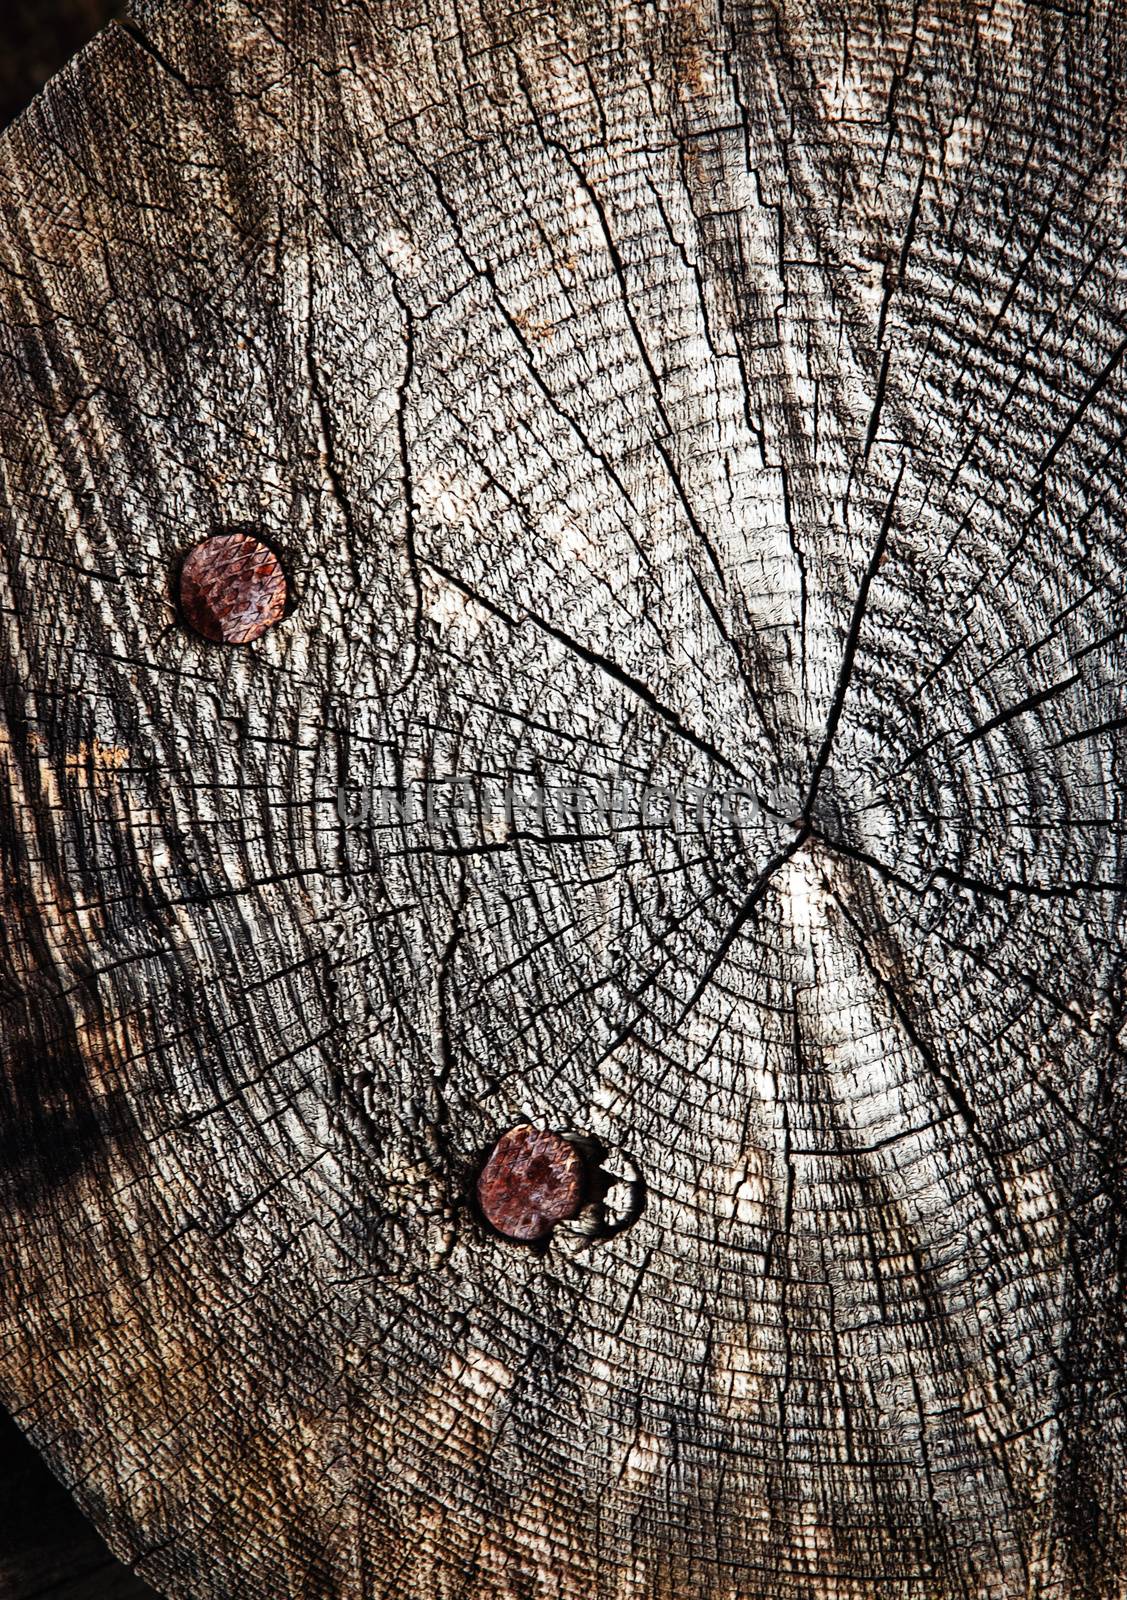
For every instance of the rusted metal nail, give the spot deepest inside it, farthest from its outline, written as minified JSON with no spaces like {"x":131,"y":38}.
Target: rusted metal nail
{"x":531,"y":1181}
{"x":232,"y":588}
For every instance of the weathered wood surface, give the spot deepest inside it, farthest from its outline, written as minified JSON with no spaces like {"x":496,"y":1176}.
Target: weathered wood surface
{"x":707,"y":396}
{"x":47,"y":1547}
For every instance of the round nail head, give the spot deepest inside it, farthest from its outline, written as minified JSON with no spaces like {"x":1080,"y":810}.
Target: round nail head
{"x":232,"y":588}
{"x":531,"y":1181}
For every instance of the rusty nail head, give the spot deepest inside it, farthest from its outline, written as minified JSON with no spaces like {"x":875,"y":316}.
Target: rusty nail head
{"x":232,"y":588}
{"x":531,"y":1181}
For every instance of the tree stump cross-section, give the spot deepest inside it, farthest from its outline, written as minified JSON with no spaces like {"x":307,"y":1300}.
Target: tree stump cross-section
{"x":692,"y":438}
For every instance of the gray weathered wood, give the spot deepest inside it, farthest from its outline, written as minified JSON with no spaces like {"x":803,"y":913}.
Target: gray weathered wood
{"x":713,"y":395}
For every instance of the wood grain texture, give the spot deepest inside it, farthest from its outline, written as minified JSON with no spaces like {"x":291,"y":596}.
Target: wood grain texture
{"x":710,"y":396}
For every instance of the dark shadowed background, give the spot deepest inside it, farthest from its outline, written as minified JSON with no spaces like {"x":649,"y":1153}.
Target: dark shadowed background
{"x":47,"y":1550}
{"x":36,"y":37}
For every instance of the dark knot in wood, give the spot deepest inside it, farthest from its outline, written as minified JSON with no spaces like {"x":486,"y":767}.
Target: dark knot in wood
{"x":531,"y":1181}
{"x":232,"y":588}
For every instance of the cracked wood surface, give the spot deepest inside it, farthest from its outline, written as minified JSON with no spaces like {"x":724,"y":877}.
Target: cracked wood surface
{"x":708,"y":396}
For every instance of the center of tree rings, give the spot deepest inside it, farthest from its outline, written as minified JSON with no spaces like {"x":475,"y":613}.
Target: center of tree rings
{"x":531,"y":1181}
{"x":232,"y":588}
